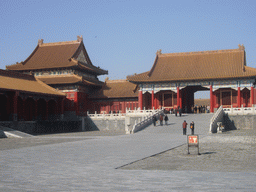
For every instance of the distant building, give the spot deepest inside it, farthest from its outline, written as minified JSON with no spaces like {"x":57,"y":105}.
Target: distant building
{"x":170,"y":83}
{"x":115,"y":96}
{"x":65,"y":66}
{"x":175,"y":77}
{"x":25,"y":98}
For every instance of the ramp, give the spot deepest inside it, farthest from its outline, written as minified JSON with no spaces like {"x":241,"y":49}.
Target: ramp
{"x":6,"y":132}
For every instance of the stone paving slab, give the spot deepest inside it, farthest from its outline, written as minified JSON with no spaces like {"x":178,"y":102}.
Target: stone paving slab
{"x":219,"y":153}
{"x":88,"y":163}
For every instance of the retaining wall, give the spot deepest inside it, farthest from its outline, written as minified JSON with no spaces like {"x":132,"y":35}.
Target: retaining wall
{"x":124,"y":125}
{"x":239,"y":121}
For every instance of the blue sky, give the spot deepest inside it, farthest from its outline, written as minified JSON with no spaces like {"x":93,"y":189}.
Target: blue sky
{"x":123,"y":36}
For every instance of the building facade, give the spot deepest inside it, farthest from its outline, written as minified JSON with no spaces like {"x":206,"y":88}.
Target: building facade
{"x":175,"y":77}
{"x":115,"y":96}
{"x":170,"y":83}
{"x":67,"y":67}
{"x":24,"y":98}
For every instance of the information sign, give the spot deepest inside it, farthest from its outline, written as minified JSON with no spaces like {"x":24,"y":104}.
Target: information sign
{"x":193,"y":141}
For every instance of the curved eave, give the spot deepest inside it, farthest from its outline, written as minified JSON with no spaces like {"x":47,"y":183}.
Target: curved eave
{"x":92,"y":69}
{"x":189,"y":80}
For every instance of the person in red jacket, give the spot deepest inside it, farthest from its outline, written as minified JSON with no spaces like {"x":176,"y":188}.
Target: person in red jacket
{"x":184,"y":126}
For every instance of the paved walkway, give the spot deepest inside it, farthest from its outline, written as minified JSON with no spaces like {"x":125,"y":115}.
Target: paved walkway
{"x":88,"y":162}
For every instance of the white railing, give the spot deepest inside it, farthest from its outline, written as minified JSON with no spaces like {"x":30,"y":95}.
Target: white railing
{"x":106,"y":116}
{"x":119,"y":115}
{"x":139,"y":112}
{"x":145,"y":121}
{"x":217,"y":117}
{"x":240,"y":111}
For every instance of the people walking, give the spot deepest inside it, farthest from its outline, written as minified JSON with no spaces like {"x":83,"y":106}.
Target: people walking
{"x":195,"y":109}
{"x":161,"y":118}
{"x":154,"y":120}
{"x":180,"y":111}
{"x":166,"y":119}
{"x":184,"y":127}
{"x":192,"y":127}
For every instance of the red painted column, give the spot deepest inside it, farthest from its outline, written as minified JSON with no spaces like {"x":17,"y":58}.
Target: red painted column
{"x":152,"y":99}
{"x":211,"y":100}
{"x":238,"y":97}
{"x":181,"y":99}
{"x":252,"y":96}
{"x":140,"y":100}
{"x":178,"y":97}
{"x":76,"y":103}
{"x":156,"y":103}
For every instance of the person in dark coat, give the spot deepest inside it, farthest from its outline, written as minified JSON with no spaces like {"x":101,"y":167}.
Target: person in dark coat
{"x":184,"y":127}
{"x":180,"y":111}
{"x":192,"y":127}
{"x":166,"y":119}
{"x":154,"y":120}
{"x":195,"y":109}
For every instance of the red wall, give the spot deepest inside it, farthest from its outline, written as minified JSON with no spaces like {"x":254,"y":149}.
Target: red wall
{"x":108,"y":106}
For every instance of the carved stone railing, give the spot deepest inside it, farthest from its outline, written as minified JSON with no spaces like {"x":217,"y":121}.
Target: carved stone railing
{"x":145,"y":121}
{"x":137,"y":112}
{"x":143,"y":118}
{"x":240,"y":111}
{"x":106,"y":116}
{"x":217,"y":117}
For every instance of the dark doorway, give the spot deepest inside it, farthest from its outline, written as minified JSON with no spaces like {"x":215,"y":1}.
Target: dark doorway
{"x":4,"y":116}
{"x":188,"y":97}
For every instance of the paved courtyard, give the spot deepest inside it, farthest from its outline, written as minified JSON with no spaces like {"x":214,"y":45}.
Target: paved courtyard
{"x":154,"y":159}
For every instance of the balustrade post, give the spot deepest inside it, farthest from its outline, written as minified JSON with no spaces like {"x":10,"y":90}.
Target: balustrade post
{"x":231,"y":110}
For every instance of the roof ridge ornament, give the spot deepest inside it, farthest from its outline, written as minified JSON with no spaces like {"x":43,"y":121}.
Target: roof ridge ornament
{"x":159,"y":52}
{"x":79,"y":38}
{"x":241,"y":47}
{"x":40,"y":42}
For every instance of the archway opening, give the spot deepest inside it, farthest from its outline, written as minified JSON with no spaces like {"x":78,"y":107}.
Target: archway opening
{"x":195,"y":96}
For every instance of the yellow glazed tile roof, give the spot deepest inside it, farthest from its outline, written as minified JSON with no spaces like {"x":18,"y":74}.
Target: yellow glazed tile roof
{"x":205,"y":65}
{"x":10,"y":80}
{"x":69,"y":79}
{"x":56,"y":55}
{"x":116,"y":89}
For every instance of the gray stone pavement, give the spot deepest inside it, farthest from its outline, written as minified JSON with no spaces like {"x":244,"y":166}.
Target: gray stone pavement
{"x":89,"y":162}
{"x":228,"y":152}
